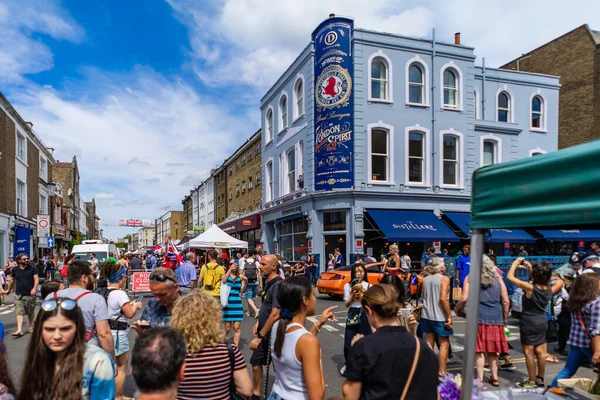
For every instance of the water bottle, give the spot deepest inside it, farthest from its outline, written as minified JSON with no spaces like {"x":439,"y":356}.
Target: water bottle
{"x":506,"y":331}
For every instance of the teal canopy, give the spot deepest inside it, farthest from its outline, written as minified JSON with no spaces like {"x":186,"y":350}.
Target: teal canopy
{"x":556,"y":190}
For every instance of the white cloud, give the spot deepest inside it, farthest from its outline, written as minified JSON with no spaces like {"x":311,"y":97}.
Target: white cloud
{"x":104,"y":196}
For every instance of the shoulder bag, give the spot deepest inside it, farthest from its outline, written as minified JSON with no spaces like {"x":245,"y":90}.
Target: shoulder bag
{"x":552,"y":331}
{"x":413,"y":368}
{"x":585,"y":329}
{"x":232,"y":392}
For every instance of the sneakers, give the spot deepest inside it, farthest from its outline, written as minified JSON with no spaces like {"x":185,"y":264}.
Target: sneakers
{"x":486,"y":368}
{"x":343,"y":370}
{"x":539,"y":381}
{"x":507,"y":367}
{"x":527,"y":384}
{"x":453,"y":359}
{"x":494,"y":382}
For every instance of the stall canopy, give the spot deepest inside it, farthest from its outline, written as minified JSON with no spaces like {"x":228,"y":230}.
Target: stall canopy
{"x":572,"y":235}
{"x":412,"y":226}
{"x":463,"y":221}
{"x":560,"y":190}
{"x":214,"y":237}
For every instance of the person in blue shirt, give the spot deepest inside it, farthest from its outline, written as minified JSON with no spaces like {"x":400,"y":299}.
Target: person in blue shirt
{"x":464,"y":265}
{"x":151,"y":262}
{"x":339,"y":259}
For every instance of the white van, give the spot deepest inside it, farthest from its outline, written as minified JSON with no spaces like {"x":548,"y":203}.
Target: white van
{"x":101,"y":249}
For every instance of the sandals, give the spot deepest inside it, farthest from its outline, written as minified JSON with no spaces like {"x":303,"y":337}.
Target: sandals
{"x":552,"y":359}
{"x":17,"y":335}
{"x":494,"y":382}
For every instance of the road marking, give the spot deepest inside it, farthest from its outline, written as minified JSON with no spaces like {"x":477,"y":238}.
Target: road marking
{"x":342,"y":325}
{"x":326,"y":327}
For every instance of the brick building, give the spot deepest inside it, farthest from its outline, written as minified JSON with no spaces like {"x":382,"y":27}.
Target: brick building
{"x":170,"y":223}
{"x":67,"y":173}
{"x":575,"y":57}
{"x":93,"y":221}
{"x":26,"y":165}
{"x":187,"y":219}
{"x":220,"y":177}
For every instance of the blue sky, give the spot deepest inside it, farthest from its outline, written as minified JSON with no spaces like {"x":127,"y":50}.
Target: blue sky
{"x":152,"y":94}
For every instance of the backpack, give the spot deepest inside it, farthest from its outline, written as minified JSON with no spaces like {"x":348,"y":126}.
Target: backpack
{"x":210,"y":278}
{"x":251,"y":271}
{"x":114,"y":324}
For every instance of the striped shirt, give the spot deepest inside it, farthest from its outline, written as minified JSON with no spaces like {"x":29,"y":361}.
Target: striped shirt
{"x":235,"y":309}
{"x":208,"y":373}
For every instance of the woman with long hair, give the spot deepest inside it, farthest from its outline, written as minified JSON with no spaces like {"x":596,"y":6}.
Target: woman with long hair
{"x":211,"y":365}
{"x":493,"y":315}
{"x":392,"y":264}
{"x":353,"y":292}
{"x":233,"y":313}
{"x":120,"y":310}
{"x":391,"y":363}
{"x":296,"y":351}
{"x":59,"y":365}
{"x":405,"y":317}
{"x":534,"y":323}
{"x":584,"y":339}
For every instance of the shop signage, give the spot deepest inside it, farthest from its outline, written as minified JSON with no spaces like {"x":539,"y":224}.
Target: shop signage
{"x":60,"y":230}
{"x":43,"y":225}
{"x":140,"y":282}
{"x":334,"y":104}
{"x":437,"y":247}
{"x":242,"y":224}
{"x":22,"y":240}
{"x":292,"y":210}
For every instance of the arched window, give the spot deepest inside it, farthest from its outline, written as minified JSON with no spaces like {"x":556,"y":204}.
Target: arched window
{"x":416,"y":84}
{"x":537,"y":112}
{"x":450,"y":88}
{"x":269,"y":124}
{"x":504,"y":107}
{"x":283,"y":113}
{"x":299,"y":98}
{"x":379,"y":79}
{"x":416,"y":157}
{"x":291,"y":170}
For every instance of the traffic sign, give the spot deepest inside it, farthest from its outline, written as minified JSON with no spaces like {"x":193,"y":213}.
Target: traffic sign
{"x":51,"y":242}
{"x":46,"y":242}
{"x":43,"y":225}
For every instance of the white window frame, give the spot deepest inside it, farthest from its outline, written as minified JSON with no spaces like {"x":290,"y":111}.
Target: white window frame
{"x":390,"y":142}
{"x":543,"y":119}
{"x":459,"y":87}
{"x":43,"y":171}
{"x":43,"y":199}
{"x":287,"y":183}
{"x":24,"y":138}
{"x":477,"y":103}
{"x":390,"y":81}
{"x":511,"y":105}
{"x":425,"y":69}
{"x":537,"y":150}
{"x":297,"y":112}
{"x":283,"y":125}
{"x":269,"y":187}
{"x":23,"y":210}
{"x":269,"y":134}
{"x":460,"y":162}
{"x":497,"y":144}
{"x":426,"y":156}
{"x":257,"y":182}
{"x":250,"y":186}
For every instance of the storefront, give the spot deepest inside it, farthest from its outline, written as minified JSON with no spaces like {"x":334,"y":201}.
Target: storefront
{"x":247,"y":229}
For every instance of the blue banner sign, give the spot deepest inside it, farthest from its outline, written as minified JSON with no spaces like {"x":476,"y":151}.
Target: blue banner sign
{"x":334,"y":104}
{"x":22,"y":240}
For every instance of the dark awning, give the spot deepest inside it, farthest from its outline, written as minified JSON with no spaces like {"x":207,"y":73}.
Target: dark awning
{"x":412,"y":226}
{"x":574,"y":235}
{"x":463,"y":221}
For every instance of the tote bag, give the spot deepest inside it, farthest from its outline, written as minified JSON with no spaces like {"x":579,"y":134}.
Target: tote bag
{"x":225,"y":294}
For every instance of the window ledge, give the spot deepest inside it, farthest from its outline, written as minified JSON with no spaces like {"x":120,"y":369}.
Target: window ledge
{"x":269,"y":142}
{"x":284,"y":130}
{"x":445,"y":108}
{"x":536,"y":130}
{"x":451,"y":187}
{"x":381,"y":183}
{"x":418,"y":185}
{"x":383,"y":101}
{"x":420,"y":105}
{"x":297,"y":118}
{"x":21,"y":161}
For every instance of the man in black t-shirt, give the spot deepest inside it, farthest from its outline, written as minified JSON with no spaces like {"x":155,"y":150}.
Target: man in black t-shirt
{"x":25,"y":279}
{"x":267,"y":316}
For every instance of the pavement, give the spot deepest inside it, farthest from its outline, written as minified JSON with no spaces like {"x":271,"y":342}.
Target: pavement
{"x":331,"y":337}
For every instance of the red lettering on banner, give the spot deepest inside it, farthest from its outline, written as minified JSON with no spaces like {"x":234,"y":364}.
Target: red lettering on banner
{"x":140,"y":282}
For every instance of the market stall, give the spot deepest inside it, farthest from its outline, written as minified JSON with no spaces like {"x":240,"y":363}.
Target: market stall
{"x":560,"y":190}
{"x":214,"y":237}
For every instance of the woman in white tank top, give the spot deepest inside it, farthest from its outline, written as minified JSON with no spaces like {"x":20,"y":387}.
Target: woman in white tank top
{"x":296,"y":351}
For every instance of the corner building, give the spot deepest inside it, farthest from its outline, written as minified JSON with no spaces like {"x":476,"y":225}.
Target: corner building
{"x":386,"y":131}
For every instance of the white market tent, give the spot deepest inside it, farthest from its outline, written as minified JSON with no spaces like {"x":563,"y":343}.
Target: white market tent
{"x":214,"y":237}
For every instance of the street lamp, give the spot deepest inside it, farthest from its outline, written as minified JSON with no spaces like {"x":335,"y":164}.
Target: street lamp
{"x":101,"y":231}
{"x":176,"y":229}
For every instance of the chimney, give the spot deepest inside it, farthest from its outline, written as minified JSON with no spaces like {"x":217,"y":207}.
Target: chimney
{"x":331,"y":15}
{"x":457,"y":38}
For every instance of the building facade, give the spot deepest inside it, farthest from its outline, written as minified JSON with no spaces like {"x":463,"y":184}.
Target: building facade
{"x":389,"y":123}
{"x":220,"y":178}
{"x":67,"y":173}
{"x":575,"y":57}
{"x":93,"y":221}
{"x":145,"y":238}
{"x":170,"y":223}
{"x":187,"y":218}
{"x":25,"y":178}
{"x":206,"y":203}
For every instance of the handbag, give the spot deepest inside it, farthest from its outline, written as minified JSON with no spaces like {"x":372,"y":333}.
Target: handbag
{"x":552,"y":331}
{"x":225,"y":290}
{"x":456,"y":293}
{"x":413,"y":368}
{"x":232,"y":391}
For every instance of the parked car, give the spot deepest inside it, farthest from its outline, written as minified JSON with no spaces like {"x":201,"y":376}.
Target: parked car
{"x":332,"y":283}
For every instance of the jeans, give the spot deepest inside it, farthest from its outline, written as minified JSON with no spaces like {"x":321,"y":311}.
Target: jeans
{"x":577,"y":356}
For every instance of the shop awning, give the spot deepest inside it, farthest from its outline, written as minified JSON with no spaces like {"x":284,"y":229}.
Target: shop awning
{"x":463,"y":221}
{"x":412,"y":226}
{"x":574,"y":235}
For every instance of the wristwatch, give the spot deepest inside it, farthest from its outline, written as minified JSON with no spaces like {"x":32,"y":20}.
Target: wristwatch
{"x":258,"y":335}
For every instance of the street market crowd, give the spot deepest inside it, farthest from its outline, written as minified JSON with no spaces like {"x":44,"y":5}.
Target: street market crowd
{"x":79,"y":345}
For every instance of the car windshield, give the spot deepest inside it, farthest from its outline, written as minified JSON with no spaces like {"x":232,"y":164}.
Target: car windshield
{"x":100,"y":255}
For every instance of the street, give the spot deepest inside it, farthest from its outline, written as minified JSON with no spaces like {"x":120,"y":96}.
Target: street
{"x":331,"y":337}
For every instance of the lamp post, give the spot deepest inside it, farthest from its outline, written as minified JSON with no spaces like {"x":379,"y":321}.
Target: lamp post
{"x":176,"y":230}
{"x":101,"y":231}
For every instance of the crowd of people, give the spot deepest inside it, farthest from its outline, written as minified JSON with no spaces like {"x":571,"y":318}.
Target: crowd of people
{"x":188,"y":335}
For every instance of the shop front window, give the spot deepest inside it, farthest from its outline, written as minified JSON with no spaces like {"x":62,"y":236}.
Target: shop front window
{"x":292,"y":239}
{"x":334,"y":221}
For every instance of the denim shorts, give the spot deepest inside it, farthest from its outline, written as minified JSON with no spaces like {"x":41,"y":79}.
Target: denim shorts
{"x":251,"y":290}
{"x":436,"y":327}
{"x":121,"y":341}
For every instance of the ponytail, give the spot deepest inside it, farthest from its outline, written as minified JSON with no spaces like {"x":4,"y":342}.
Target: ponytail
{"x":290,"y":294}
{"x":285,"y":316}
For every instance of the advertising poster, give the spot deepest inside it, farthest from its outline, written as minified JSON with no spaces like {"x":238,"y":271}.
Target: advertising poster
{"x":334,"y":105}
{"x":22,"y":240}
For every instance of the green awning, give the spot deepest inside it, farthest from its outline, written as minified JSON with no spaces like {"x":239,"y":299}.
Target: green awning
{"x":555,"y":190}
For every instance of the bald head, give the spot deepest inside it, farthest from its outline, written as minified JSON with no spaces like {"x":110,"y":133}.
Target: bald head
{"x":269,"y":265}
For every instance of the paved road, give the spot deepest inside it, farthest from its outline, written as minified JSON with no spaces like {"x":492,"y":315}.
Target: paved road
{"x":331,"y":338}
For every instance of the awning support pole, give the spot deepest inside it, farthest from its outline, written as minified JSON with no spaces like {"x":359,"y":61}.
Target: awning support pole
{"x":468,"y":372}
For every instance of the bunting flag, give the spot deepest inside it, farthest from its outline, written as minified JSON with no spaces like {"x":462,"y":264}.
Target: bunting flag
{"x":173,"y":254}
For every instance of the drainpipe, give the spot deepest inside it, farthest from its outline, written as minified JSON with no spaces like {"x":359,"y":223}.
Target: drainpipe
{"x":433,"y":74}
{"x":483,"y":88}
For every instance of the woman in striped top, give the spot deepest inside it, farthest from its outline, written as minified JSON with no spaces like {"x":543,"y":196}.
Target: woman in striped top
{"x":233,"y":314}
{"x":208,"y":364}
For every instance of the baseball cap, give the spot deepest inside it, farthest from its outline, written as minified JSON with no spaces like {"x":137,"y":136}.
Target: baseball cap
{"x":590,"y":254}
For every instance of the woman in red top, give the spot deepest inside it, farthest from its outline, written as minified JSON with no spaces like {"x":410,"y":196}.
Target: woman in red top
{"x":392,"y":264}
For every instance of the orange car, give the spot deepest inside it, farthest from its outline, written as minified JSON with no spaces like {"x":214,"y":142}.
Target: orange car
{"x":332,"y":283}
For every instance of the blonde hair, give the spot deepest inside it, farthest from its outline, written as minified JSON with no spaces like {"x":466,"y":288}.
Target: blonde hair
{"x":488,"y":271}
{"x":198,"y":316}
{"x":394,"y":247}
{"x":435,"y":264}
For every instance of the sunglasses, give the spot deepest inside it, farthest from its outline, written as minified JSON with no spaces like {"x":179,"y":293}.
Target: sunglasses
{"x":24,"y":259}
{"x":65,"y":304}
{"x":161,"y":278}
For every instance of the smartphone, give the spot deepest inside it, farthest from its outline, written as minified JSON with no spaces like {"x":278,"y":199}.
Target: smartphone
{"x":139,"y":299}
{"x":406,"y":312}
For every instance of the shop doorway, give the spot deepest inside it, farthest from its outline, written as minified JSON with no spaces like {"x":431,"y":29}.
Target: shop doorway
{"x":331,"y":243}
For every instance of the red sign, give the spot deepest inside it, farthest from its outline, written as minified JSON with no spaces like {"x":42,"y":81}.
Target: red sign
{"x":310,"y":243}
{"x":581,"y":244}
{"x":359,"y":243}
{"x":140,"y":282}
{"x":506,"y":245}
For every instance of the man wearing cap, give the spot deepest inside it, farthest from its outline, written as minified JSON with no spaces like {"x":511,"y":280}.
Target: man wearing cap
{"x":591,"y":262}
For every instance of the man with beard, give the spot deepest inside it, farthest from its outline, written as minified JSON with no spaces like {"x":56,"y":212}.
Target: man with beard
{"x":93,"y":306}
{"x":25,"y":278}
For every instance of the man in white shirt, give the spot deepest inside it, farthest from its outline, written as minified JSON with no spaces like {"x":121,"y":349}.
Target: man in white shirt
{"x":94,"y":262}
